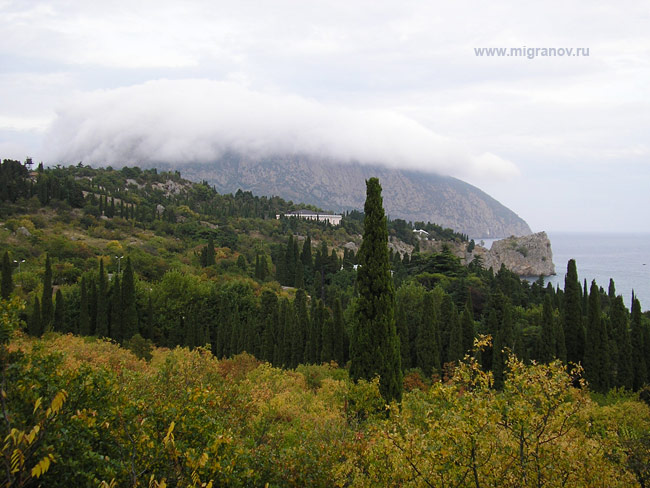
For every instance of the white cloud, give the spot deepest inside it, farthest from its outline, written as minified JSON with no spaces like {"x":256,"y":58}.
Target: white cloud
{"x":197,"y":120}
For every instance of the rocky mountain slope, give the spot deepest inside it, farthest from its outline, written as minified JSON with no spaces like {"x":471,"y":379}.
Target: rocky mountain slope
{"x":529,"y":255}
{"x":335,"y":186}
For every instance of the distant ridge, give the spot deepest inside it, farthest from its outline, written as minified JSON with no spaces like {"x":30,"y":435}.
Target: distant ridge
{"x":338,"y":186}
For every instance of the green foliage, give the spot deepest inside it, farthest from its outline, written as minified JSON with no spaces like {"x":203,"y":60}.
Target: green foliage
{"x":374,"y":347}
{"x":7,"y":286}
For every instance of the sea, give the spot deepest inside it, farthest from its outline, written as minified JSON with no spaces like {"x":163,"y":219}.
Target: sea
{"x":623,"y":257}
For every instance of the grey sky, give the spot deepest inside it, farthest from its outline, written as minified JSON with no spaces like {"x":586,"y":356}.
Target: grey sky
{"x":562,"y":141}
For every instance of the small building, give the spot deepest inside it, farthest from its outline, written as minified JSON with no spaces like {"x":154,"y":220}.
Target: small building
{"x":421,"y":232}
{"x":333,"y":219}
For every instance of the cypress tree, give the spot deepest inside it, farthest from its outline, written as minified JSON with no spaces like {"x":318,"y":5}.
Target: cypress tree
{"x":639,"y":358}
{"x":288,"y":319}
{"x":47,"y":307}
{"x":427,"y":344}
{"x":547,"y":346}
{"x":402,"y":326}
{"x":596,"y":344}
{"x":572,"y":315}
{"x":101,"y":322}
{"x":148,"y":332}
{"x":560,"y":342}
{"x":91,"y":288}
{"x":467,"y":325}
{"x":210,"y":258}
{"x":300,"y":328}
{"x":619,"y":321}
{"x":268,"y":319}
{"x":314,"y":333}
{"x":35,"y":325}
{"x":59,"y":312}
{"x":235,"y":347}
{"x":455,"y":352}
{"x":84,"y":316}
{"x":327,"y":341}
{"x":504,"y":340}
{"x":374,"y":347}
{"x":340,"y":339}
{"x":116,"y":310}
{"x":130,"y":312}
{"x":7,"y":287}
{"x":299,"y":279}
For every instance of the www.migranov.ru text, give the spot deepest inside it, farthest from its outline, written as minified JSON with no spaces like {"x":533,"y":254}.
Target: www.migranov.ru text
{"x":531,"y":52}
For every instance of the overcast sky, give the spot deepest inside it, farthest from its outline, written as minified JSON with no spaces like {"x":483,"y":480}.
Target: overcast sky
{"x":562,"y":141}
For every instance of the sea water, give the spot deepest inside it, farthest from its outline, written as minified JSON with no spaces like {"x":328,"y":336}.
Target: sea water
{"x":623,"y":257}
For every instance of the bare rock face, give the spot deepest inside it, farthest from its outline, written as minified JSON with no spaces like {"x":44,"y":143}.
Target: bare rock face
{"x":529,"y":255}
{"x":338,"y":186}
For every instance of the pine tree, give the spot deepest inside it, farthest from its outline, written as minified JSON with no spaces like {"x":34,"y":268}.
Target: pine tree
{"x":130,"y":312}
{"x":101,"y":327}
{"x":35,"y":325}
{"x":47,"y":307}
{"x":427,"y":344}
{"x":84,"y":316}
{"x":547,"y":346}
{"x":59,"y":312}
{"x":374,"y":347}
{"x":7,"y":279}
{"x":596,"y":345}
{"x":572,"y":315}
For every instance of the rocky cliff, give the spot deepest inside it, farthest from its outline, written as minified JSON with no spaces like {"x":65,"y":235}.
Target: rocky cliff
{"x":529,"y":255}
{"x":336,"y":186}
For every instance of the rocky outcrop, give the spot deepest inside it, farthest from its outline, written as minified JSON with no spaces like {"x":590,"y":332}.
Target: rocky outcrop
{"x":339,"y":186}
{"x":529,"y":255}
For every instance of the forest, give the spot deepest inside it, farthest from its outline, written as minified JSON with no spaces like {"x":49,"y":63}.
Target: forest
{"x":158,"y":333}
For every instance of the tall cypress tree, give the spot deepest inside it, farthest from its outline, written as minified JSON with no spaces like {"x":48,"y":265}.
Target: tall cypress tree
{"x":340,"y":339}
{"x":572,"y":315}
{"x":427,"y":344}
{"x":596,"y":344}
{"x":300,"y":328}
{"x":639,"y":359}
{"x":47,"y":306}
{"x":35,"y":325}
{"x":374,"y":347}
{"x":467,"y":325}
{"x":504,"y":340}
{"x":619,"y":321}
{"x":101,"y":322}
{"x":130,"y":312}
{"x":84,"y":316}
{"x":547,"y":346}
{"x":455,"y":351}
{"x":116,"y":310}
{"x":59,"y":312}
{"x":7,"y":287}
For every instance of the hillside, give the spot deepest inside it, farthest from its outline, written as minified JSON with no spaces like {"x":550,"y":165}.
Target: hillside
{"x":332,"y":185}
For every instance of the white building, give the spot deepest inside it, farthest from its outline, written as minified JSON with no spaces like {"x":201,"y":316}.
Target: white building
{"x":311,"y":215}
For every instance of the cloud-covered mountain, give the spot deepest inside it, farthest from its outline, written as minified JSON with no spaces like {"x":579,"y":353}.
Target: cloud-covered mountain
{"x":337,"y":186}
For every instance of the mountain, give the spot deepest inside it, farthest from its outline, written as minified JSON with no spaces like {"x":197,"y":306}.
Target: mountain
{"x":336,"y":186}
